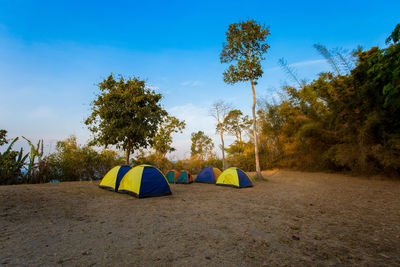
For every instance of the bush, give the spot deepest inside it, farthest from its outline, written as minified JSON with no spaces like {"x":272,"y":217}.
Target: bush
{"x":11,"y":162}
{"x":72,"y":162}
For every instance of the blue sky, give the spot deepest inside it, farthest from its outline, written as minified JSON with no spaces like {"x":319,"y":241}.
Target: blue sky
{"x":53,"y":53}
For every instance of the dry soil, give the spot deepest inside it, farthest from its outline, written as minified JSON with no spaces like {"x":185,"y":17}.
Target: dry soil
{"x":296,"y":219}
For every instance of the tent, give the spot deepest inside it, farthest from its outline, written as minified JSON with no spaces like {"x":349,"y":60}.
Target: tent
{"x":144,"y":181}
{"x":234,"y":177}
{"x":172,"y":175}
{"x":112,"y":179}
{"x":208,"y":175}
{"x":184,"y":178}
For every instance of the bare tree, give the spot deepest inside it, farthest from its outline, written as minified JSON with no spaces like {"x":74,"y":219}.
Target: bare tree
{"x":328,"y":56}
{"x":291,"y":72}
{"x":219,"y":111}
{"x":341,"y":61}
{"x":344,"y":59}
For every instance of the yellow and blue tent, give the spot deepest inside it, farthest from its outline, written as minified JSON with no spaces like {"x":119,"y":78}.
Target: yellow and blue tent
{"x":144,"y":181}
{"x":234,"y":177}
{"x":112,"y":179}
{"x":208,"y":175}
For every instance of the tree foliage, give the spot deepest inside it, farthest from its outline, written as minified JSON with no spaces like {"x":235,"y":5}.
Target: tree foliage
{"x":3,"y":137}
{"x":340,"y":122}
{"x":219,"y":111}
{"x":73,"y":162}
{"x":126,"y":114}
{"x":236,"y":123}
{"x":395,"y":36}
{"x":245,"y":46}
{"x":162,"y":141}
{"x":202,"y":145}
{"x":11,"y":162}
{"x":17,"y":167}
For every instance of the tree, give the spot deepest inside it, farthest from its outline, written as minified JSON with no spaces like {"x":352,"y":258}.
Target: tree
{"x":291,"y":72}
{"x":328,"y":56}
{"x":219,"y":111}
{"x":125,"y":114}
{"x":338,"y":58}
{"x":235,"y":124}
{"x":11,"y":161}
{"x":162,"y":141}
{"x":202,"y":145}
{"x":74,"y":162}
{"x":3,"y":137}
{"x":395,"y":36}
{"x":246,"y":45}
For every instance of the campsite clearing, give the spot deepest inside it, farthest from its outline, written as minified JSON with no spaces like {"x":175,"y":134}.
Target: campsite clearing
{"x":296,"y":218}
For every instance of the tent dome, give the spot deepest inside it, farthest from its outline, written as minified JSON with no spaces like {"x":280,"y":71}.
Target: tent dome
{"x":172,"y":175}
{"x":112,"y":179}
{"x":144,"y":181}
{"x":208,"y":175}
{"x":234,"y":177}
{"x":184,"y":178}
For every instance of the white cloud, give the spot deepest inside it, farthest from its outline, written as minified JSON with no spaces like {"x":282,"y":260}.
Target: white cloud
{"x":197,"y":119}
{"x":308,"y":62}
{"x":42,"y":112}
{"x":191,"y":83}
{"x":301,"y":64}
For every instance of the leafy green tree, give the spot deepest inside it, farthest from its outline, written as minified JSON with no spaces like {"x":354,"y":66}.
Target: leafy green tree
{"x":162,"y":141}
{"x":340,"y":122}
{"x":236,"y":123}
{"x":74,"y":162}
{"x":395,"y":36}
{"x":11,"y":162}
{"x":3,"y":137}
{"x":219,"y":111}
{"x":202,"y":145}
{"x":246,"y":46}
{"x":126,"y":114}
{"x":387,"y":69}
{"x":347,"y":121}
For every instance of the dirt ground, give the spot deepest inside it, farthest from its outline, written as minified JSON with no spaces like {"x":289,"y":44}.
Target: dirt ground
{"x":296,"y":218}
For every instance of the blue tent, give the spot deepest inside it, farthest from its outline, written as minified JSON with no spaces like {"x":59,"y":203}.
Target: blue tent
{"x":208,"y":175}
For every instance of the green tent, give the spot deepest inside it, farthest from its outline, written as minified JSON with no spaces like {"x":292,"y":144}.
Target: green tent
{"x":184,"y":178}
{"x":172,"y":175}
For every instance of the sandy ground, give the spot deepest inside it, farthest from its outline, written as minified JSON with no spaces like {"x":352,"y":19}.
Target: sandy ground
{"x":296,"y":219}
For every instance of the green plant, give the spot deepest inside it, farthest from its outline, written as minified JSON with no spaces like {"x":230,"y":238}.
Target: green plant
{"x":33,"y":168}
{"x":11,"y":163}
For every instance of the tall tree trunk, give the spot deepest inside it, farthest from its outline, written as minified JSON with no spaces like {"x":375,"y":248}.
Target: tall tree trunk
{"x":240,"y":144}
{"x":258,"y":169}
{"x":127,"y":155}
{"x":221,"y":132}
